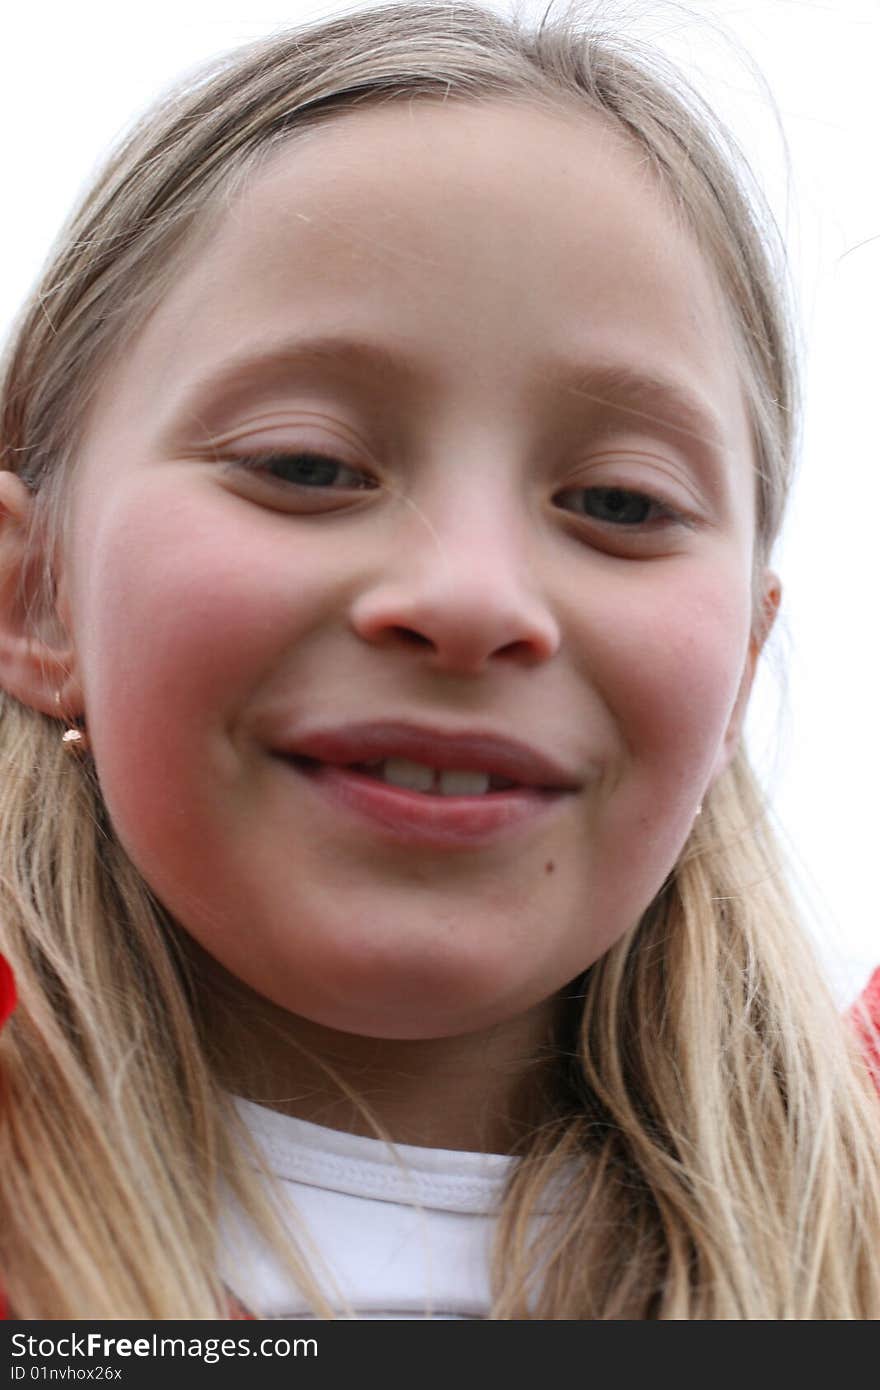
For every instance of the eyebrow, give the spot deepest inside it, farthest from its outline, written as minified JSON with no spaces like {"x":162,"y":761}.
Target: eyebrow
{"x":650,"y":397}
{"x":655,"y":400}
{"x":236,"y":380}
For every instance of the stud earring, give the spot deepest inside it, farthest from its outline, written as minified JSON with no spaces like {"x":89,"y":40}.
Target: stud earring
{"x":74,"y":740}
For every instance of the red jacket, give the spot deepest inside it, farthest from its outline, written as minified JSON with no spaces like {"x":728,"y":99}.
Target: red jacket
{"x":7,"y":1004}
{"x":7,"y":990}
{"x":868,"y":1029}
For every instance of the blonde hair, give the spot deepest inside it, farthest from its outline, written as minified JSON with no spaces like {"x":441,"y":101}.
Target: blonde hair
{"x":713,"y":1136}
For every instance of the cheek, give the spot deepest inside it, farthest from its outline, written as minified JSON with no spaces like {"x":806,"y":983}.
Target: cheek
{"x":672,"y":670}
{"x":185,"y":611}
{"x":186,"y":596}
{"x":668,"y":672}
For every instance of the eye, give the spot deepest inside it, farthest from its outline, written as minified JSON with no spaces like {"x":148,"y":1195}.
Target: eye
{"x":312,"y":471}
{"x":616,"y":506}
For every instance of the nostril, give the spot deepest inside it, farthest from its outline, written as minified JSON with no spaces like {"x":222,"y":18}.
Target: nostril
{"x":411,"y":637}
{"x":516,"y":648}
{"x":455,"y":630}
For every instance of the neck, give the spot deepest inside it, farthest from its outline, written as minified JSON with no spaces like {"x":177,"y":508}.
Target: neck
{"x":482,"y":1092}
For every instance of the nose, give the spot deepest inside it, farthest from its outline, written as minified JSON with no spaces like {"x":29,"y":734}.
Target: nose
{"x":464,"y":596}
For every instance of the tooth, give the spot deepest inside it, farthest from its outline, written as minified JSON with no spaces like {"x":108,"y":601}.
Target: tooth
{"x":454,"y":783}
{"x":400,"y":772}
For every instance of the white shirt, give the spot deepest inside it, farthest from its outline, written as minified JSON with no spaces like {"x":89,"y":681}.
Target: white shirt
{"x":402,"y":1232}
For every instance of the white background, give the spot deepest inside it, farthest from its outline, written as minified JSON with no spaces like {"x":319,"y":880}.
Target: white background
{"x":72,"y":77}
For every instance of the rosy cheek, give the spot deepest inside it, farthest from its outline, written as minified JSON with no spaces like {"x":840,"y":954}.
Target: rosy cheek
{"x":676,"y":678}
{"x":175,"y":590}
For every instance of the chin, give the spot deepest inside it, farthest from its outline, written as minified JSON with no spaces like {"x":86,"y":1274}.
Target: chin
{"x":411,"y":1011}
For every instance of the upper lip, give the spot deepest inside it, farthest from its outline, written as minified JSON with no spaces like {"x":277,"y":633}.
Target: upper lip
{"x":474,"y":750}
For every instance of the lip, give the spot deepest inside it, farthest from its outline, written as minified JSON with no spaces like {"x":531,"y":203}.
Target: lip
{"x":474,"y":750}
{"x":322,"y":758}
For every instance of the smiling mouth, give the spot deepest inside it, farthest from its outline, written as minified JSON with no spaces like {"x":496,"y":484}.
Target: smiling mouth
{"x":411,"y":776}
{"x":420,"y":806}
{"x":427,"y":787}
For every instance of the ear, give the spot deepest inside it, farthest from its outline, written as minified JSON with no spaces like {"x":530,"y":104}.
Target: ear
{"x":771,"y":595}
{"x":36,"y":654}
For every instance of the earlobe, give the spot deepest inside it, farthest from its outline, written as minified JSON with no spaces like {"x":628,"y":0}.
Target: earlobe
{"x":771,"y":597}
{"x":36,"y":654}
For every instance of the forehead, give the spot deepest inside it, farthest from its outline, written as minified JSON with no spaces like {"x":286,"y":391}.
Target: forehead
{"x":485,"y":247}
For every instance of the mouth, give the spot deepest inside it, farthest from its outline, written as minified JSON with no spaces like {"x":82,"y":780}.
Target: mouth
{"x":421,"y":777}
{"x":429,"y":788}
{"x":438,"y":762}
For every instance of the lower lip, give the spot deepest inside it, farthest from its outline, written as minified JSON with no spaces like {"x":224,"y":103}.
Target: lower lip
{"x":428,"y":819}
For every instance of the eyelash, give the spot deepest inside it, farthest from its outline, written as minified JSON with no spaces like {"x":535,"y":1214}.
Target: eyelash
{"x":662,"y":511}
{"x":263,"y":464}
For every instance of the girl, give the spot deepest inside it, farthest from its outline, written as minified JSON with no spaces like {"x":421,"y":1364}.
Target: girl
{"x":394,"y":451}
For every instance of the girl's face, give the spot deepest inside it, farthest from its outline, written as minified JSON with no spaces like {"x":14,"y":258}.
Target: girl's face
{"x":434,"y":458}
